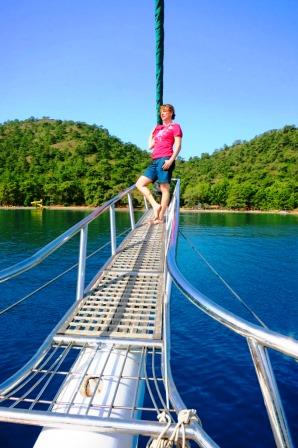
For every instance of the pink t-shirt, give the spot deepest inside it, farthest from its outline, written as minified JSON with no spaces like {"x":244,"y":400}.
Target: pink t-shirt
{"x":164,"y":139}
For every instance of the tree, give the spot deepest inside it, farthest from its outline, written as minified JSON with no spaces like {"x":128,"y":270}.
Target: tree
{"x":76,"y":163}
{"x":197,"y":194}
{"x":219,"y":192}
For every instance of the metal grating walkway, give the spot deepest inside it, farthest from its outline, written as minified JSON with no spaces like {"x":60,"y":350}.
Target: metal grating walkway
{"x":126,"y":301}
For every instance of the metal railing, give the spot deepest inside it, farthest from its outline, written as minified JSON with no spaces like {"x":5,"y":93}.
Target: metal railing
{"x":259,"y":339}
{"x":50,"y":419}
{"x":82,"y":227}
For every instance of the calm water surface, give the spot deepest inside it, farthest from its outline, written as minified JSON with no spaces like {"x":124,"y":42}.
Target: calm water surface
{"x":257,"y":256}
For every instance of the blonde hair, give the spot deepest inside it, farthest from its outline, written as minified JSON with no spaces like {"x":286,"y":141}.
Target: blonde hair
{"x":168,"y":107}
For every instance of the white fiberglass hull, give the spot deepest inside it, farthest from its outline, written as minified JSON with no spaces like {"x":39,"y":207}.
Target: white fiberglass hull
{"x":103,"y":393}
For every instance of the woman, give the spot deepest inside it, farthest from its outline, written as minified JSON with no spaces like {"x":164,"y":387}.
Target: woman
{"x":165,"y":142}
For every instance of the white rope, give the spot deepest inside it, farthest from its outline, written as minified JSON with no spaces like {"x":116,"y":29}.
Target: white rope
{"x":185,"y":417}
{"x":160,"y":442}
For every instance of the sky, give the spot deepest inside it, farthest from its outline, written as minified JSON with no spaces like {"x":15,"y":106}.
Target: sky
{"x":230,"y":67}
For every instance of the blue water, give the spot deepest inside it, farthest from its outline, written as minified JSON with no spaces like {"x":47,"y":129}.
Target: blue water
{"x":257,"y":256}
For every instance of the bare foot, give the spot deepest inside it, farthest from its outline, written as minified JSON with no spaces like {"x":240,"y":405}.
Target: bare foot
{"x":157,"y":221}
{"x":156,"y":211}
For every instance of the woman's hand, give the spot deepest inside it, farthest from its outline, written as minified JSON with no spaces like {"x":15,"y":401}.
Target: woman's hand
{"x":167,"y":164}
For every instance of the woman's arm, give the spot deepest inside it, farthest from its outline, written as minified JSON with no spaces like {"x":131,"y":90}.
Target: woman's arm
{"x":151,"y":140}
{"x":177,"y":149}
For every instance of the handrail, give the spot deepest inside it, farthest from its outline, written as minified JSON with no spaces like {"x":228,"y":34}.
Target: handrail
{"x":268,"y":338}
{"x":258,"y":338}
{"x":44,"y":252}
{"x":172,"y":395}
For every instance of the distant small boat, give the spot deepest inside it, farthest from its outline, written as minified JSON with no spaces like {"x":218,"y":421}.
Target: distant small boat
{"x":37,"y":204}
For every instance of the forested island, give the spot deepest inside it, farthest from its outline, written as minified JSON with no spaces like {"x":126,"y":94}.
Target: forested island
{"x":74,"y":163}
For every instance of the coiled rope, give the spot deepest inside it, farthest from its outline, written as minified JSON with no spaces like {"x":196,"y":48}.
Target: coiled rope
{"x":185,"y":417}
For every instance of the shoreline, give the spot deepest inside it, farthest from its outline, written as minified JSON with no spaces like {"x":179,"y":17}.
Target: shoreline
{"x":223,"y":210}
{"x":182,"y":209}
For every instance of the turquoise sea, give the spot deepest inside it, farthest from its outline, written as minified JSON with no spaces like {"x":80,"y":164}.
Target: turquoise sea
{"x":255,"y":253}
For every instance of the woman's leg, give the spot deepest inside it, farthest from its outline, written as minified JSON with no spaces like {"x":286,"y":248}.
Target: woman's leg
{"x":165,"y":199}
{"x":141,"y":185}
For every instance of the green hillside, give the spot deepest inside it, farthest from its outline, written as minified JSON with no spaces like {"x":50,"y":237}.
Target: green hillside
{"x":73,"y":163}
{"x":259,"y":174}
{"x":64,"y":162}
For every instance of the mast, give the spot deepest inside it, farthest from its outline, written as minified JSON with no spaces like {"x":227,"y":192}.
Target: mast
{"x":159,"y":54}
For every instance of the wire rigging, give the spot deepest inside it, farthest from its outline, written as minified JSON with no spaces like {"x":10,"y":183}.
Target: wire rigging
{"x":234,"y":293}
{"x":40,"y":288}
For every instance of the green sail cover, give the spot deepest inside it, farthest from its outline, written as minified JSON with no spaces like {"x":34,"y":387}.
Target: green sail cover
{"x":159,"y":37}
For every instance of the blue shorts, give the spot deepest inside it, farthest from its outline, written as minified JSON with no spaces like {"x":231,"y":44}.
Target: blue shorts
{"x":155,"y":171}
